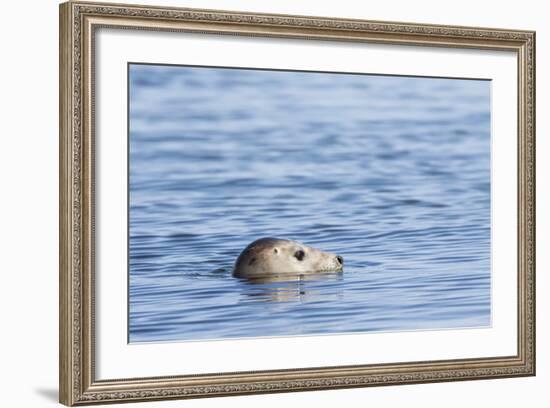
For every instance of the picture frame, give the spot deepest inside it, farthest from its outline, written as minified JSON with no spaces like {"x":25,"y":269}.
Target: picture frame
{"x":79,"y":185}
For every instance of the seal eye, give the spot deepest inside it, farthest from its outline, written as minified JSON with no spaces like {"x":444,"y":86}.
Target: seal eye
{"x":299,"y":254}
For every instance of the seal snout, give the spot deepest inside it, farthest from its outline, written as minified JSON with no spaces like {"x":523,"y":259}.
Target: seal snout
{"x":340,"y":260}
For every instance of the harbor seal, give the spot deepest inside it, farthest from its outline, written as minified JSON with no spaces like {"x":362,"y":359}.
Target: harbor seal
{"x":267,"y":257}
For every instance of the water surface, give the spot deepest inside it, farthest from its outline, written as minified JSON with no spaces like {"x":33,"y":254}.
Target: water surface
{"x":393,"y":173}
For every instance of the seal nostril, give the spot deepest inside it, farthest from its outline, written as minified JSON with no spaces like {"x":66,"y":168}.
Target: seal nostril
{"x":340,"y":259}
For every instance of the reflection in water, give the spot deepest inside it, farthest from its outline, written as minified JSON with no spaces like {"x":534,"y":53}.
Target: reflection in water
{"x":289,"y":287}
{"x":392,"y":173}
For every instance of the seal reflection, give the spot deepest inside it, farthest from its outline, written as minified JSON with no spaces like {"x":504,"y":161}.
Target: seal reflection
{"x":294,"y":287}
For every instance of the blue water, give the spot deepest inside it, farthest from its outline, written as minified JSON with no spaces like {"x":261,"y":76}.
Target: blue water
{"x":392,"y":173}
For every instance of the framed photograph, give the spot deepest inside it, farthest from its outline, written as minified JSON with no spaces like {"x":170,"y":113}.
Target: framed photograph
{"x":254,"y":203}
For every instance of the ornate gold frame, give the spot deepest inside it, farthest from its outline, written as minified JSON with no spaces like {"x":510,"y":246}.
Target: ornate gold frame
{"x":78,"y":21}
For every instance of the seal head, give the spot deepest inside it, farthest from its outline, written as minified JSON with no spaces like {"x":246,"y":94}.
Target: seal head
{"x":267,"y":257}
